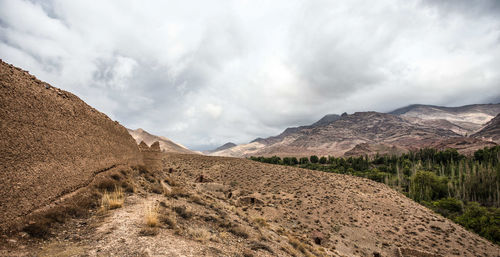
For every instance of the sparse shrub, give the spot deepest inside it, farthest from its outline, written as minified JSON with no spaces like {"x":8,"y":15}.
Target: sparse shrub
{"x":295,"y":243}
{"x":177,"y":191}
{"x":116,"y":176}
{"x":168,"y":219}
{"x":157,"y":189}
{"x":199,"y":234}
{"x":106,"y":184}
{"x":254,"y":245}
{"x":151,"y":216}
{"x":290,"y":251}
{"x":239,"y":231}
{"x":128,"y":186}
{"x":56,"y":214}
{"x":233,"y":183}
{"x":39,"y":228}
{"x":141,"y":168}
{"x":112,"y":200}
{"x":170,"y":181}
{"x":183,"y":212}
{"x":149,"y":231}
{"x":196,"y":199}
{"x":260,"y":222}
{"x":124,"y":172}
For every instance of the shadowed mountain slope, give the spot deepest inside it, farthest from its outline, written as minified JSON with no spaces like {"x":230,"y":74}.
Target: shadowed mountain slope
{"x":363,"y":133}
{"x":491,"y":131}
{"x":384,"y":130}
{"x":462,"y":120}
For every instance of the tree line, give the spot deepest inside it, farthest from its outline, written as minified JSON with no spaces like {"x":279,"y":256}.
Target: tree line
{"x":465,"y":189}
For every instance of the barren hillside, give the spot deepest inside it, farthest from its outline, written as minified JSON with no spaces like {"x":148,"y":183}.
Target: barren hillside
{"x":491,"y":131}
{"x":215,"y":206}
{"x":463,"y":120}
{"x":371,"y":132}
{"x":384,"y":132}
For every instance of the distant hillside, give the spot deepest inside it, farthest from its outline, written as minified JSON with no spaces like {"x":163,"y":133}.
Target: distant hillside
{"x":491,"y":131}
{"x":463,"y":120}
{"x":166,"y":144}
{"x":362,"y":133}
{"x":222,"y":147}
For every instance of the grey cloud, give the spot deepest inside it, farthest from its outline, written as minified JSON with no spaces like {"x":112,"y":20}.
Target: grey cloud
{"x":241,"y":70}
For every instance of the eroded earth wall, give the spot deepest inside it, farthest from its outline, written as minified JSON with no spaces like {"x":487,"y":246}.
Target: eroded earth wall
{"x":51,"y":143}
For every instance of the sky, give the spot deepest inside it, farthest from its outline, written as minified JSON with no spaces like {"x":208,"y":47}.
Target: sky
{"x":204,"y":73}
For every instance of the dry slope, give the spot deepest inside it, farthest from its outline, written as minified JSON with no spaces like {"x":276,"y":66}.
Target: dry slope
{"x":51,"y":143}
{"x":353,"y":216}
{"x":215,"y":206}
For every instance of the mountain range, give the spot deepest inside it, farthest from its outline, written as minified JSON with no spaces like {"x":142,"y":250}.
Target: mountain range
{"x":466,"y":128}
{"x":166,"y":145}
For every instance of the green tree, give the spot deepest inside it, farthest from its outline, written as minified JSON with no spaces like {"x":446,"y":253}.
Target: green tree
{"x":314,"y":159}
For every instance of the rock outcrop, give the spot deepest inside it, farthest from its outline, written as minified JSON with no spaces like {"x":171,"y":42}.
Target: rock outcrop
{"x":51,"y":143}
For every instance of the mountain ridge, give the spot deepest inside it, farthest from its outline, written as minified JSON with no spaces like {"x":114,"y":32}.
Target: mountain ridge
{"x":401,"y":130}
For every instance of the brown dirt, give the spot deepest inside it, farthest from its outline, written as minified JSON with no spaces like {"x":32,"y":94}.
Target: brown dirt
{"x":51,"y":143}
{"x":255,"y":209}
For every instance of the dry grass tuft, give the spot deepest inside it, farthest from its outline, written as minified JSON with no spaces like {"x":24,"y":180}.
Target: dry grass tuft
{"x":239,"y":231}
{"x":112,"y":200}
{"x":151,"y":216}
{"x":196,"y":199}
{"x":183,"y":212}
{"x":167,"y":218}
{"x":199,"y":234}
{"x":149,"y":231}
{"x":170,"y":181}
{"x":176,"y":192}
{"x":260,"y":222}
{"x":295,"y":243}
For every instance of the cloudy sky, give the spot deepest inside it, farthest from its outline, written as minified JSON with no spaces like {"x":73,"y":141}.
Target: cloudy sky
{"x":206,"y":72}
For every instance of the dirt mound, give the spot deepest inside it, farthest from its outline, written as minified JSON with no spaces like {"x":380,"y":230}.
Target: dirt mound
{"x":51,"y":143}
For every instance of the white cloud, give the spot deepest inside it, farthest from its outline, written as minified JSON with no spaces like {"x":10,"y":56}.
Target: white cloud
{"x":203,"y":73}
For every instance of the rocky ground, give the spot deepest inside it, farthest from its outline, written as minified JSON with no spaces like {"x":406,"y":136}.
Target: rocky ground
{"x":215,"y":206}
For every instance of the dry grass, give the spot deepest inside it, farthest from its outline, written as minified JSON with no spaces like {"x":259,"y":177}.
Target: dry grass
{"x":297,"y":244}
{"x":170,"y":181}
{"x":151,"y":216}
{"x":199,"y":234}
{"x":289,"y":250}
{"x":196,"y":199}
{"x":167,"y":218}
{"x":183,"y":212}
{"x":239,"y":231}
{"x":112,"y":200}
{"x":176,"y":192}
{"x":260,"y":222}
{"x":149,"y":231}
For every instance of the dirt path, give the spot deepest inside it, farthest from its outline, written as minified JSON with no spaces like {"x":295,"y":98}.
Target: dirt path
{"x":118,"y":234}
